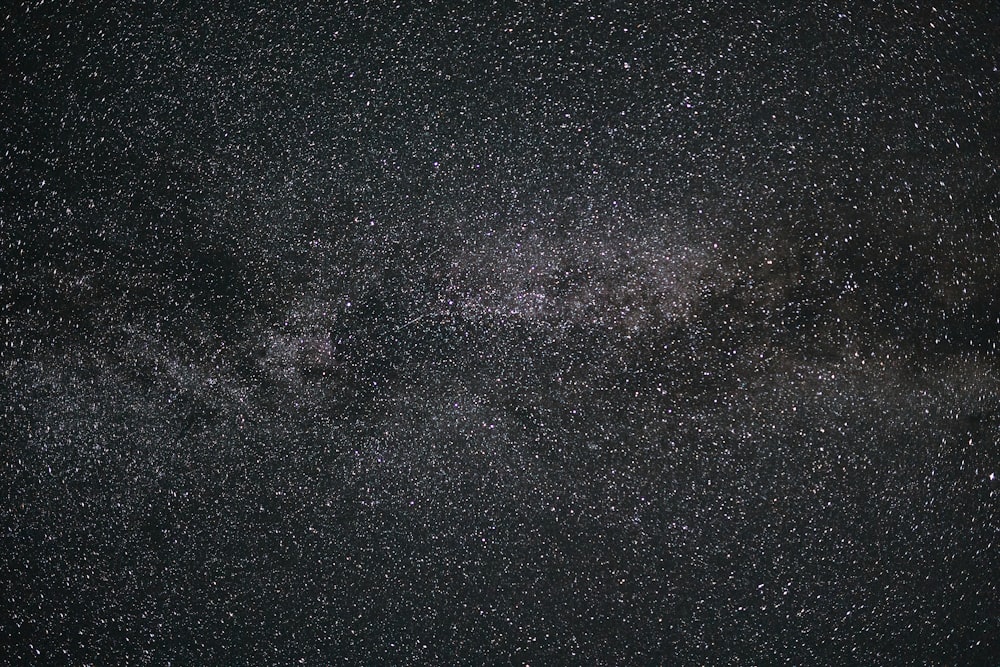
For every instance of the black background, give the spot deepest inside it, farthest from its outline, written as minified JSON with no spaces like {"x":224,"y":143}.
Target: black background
{"x":548,"y":333}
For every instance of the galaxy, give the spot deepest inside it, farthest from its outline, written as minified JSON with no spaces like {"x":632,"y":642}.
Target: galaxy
{"x":527,"y":333}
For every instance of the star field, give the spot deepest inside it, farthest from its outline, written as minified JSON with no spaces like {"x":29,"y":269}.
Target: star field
{"x":538,"y":333}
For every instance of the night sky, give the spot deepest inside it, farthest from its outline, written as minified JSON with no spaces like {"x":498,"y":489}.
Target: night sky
{"x":594,"y":333}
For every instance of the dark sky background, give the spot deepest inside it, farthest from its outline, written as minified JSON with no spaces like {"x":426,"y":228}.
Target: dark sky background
{"x":517,"y":333}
